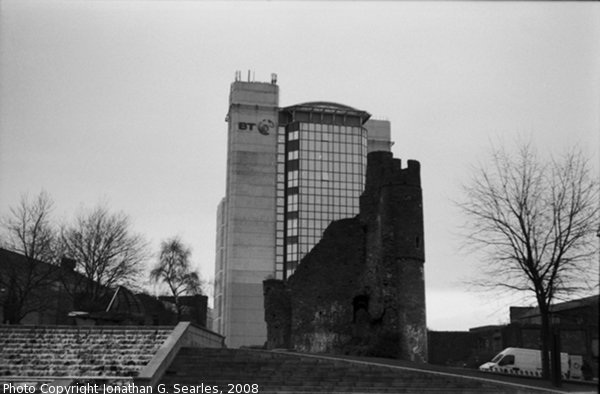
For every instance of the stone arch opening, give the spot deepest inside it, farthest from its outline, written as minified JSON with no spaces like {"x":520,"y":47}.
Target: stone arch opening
{"x":360,"y":305}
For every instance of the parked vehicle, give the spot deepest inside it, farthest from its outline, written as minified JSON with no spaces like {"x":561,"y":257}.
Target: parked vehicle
{"x":528,"y":362}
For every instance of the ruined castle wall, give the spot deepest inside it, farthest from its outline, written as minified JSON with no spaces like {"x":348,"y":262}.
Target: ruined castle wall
{"x":323,"y":287}
{"x":278,"y":314}
{"x":361,"y":289}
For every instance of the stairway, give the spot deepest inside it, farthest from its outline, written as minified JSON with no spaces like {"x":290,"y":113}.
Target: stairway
{"x":77,"y":351}
{"x":247,"y":371}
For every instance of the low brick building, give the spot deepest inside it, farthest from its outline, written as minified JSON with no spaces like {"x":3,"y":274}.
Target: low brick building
{"x":361,"y":289}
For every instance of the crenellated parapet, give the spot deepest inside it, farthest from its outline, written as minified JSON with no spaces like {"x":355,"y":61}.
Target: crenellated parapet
{"x":383,"y":168}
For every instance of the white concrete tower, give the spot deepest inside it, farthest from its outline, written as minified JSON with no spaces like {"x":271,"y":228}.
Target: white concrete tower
{"x":246,"y":221}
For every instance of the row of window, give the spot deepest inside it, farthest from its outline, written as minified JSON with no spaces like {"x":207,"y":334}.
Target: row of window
{"x":332,"y":213}
{"x":343,"y":179}
{"x":316,"y":220}
{"x":329,"y":200}
{"x":326,"y":204}
{"x":329,"y":128}
{"x":332,"y":147}
{"x":339,"y":178}
{"x":342,"y":156}
{"x":325,"y":197}
{"x":324,"y":183}
{"x":340,"y":139}
{"x":323,"y":166}
{"x":331,"y":166}
{"x":321,"y":131}
{"x":332,"y":188}
{"x":311,"y":225}
{"x":306,"y":231}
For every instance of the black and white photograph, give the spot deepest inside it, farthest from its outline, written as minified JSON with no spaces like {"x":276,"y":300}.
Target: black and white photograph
{"x":284,"y":196}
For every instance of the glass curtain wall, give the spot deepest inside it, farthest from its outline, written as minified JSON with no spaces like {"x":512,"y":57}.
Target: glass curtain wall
{"x":323,"y":169}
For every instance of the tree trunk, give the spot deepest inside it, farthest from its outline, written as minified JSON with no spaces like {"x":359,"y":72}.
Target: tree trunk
{"x":178,"y":308}
{"x":12,"y":304}
{"x":545,"y":337}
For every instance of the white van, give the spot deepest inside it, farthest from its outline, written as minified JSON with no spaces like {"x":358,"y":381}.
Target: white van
{"x":528,"y":362}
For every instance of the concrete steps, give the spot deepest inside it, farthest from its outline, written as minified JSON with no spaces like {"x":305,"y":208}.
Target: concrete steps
{"x":285,"y":373}
{"x":77,"y":351}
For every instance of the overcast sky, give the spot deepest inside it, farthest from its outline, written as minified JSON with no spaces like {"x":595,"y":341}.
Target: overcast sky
{"x":124,"y":102}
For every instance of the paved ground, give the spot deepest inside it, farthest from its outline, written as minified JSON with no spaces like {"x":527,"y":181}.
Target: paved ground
{"x":566,"y":387}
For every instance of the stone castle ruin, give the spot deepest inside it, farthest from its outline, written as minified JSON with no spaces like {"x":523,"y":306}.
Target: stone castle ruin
{"x":361,"y":289}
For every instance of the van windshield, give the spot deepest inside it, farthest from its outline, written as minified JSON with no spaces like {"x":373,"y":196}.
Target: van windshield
{"x":497,"y":357}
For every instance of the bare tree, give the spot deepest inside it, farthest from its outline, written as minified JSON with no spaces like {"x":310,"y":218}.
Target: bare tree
{"x":173,"y":269}
{"x":29,"y":231}
{"x":107,"y":253}
{"x":535,"y":220}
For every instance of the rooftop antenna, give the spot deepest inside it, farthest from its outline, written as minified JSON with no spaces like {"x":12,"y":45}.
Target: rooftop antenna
{"x":248,"y":75}
{"x":273,"y":78}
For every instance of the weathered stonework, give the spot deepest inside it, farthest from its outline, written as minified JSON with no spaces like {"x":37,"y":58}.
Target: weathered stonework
{"x":361,"y":288}
{"x":278,"y":313}
{"x":322,"y":289}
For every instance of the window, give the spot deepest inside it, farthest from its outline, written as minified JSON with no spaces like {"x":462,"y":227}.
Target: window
{"x":509,"y":359}
{"x":293,"y":178}
{"x":292,"y":202}
{"x":292,"y":136}
{"x":292,"y":232}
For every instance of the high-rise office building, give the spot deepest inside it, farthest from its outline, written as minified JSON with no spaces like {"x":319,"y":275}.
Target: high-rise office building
{"x":290,"y":172}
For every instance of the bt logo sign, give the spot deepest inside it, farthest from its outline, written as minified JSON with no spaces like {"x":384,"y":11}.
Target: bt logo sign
{"x":263,"y":126}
